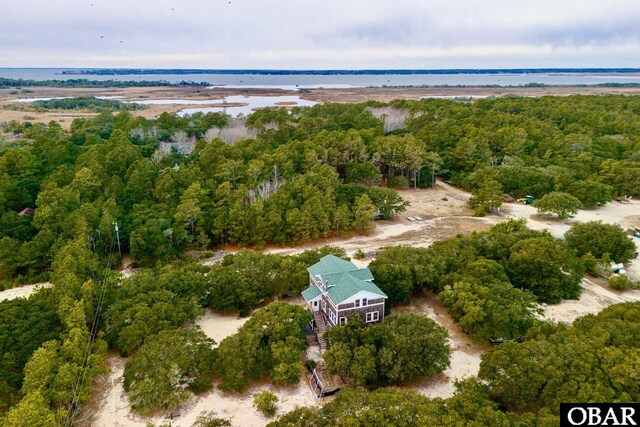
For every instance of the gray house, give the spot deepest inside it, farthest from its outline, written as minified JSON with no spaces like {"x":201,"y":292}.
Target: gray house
{"x":338,"y":288}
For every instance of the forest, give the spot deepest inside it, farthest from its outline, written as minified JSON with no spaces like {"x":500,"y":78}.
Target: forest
{"x":321,"y":171}
{"x":317,"y":172}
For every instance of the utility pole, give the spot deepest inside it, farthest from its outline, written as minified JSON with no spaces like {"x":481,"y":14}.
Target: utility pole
{"x":118,"y":238}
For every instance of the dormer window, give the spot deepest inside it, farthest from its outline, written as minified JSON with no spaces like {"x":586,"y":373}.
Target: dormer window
{"x":364,"y":302}
{"x":357,"y":303}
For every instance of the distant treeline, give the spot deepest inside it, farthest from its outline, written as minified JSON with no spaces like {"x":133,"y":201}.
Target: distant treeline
{"x":87,"y":102}
{"x":4,"y":82}
{"x":121,"y":71}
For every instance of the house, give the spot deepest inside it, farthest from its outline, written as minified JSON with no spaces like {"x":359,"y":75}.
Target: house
{"x":338,"y":288}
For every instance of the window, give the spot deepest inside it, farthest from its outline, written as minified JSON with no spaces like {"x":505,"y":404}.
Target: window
{"x":343,"y":320}
{"x":364,"y":302}
{"x":357,"y":303}
{"x":315,"y":303}
{"x":373,"y":316}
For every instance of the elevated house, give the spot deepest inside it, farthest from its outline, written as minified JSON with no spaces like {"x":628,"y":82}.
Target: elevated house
{"x":338,"y":288}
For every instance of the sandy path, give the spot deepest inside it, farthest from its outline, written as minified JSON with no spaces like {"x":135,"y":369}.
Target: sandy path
{"x":594,"y":298}
{"x":22,"y":291}
{"x":465,"y":355}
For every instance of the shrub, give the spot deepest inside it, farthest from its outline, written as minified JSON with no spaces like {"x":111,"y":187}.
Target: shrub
{"x":619,"y":282}
{"x":400,"y":182}
{"x":590,"y":264}
{"x":210,"y":419}
{"x":265,"y":402}
{"x":480,"y":211}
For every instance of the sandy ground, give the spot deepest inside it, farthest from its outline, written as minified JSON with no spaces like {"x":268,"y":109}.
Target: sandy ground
{"x":595,"y":297}
{"x":22,"y":291}
{"x":465,"y":355}
{"x":319,"y":95}
{"x":218,"y":326}
{"x":111,"y":407}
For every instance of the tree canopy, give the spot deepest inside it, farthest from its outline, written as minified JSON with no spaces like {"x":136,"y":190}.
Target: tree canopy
{"x":166,"y":367}
{"x":403,"y":347}
{"x":269,"y":344}
{"x":600,"y":240}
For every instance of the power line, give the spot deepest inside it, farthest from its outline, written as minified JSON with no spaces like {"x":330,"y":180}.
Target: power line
{"x":74,"y":405}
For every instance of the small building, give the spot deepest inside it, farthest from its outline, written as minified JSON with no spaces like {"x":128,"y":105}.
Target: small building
{"x":27,"y":212}
{"x":338,"y":288}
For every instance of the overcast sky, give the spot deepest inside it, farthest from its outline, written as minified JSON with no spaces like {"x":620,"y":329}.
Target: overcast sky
{"x":306,"y":34}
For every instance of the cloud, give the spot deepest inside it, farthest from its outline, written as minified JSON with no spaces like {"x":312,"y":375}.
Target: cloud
{"x":327,"y":34}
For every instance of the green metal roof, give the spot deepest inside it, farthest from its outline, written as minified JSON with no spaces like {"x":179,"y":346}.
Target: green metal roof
{"x":311,"y":292}
{"x":331,"y":264}
{"x":362,"y":274}
{"x":342,"y":278}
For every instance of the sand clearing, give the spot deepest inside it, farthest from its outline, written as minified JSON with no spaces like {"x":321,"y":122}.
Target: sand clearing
{"x":113,"y":408}
{"x":22,"y":291}
{"x":594,"y":298}
{"x":219,"y":326}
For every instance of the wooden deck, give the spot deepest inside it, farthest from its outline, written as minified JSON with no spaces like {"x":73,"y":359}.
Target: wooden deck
{"x":323,"y":383}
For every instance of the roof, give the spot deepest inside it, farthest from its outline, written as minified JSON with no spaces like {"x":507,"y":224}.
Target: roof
{"x":342,"y":278}
{"x":349,"y":285}
{"x":312,"y":292}
{"x":331,"y":264}
{"x":26,"y":211}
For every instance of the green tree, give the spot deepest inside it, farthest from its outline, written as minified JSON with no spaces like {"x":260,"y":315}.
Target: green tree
{"x":33,"y":410}
{"x":251,"y":353}
{"x":487,"y":198}
{"x":189,"y":211}
{"x":598,"y":238}
{"x":342,"y":219}
{"x":402,"y":348}
{"x":591,"y":193}
{"x":490,"y":309}
{"x":166,"y":366}
{"x":363,"y":211}
{"x":387,"y":201}
{"x":564,"y":205}
{"x":412,"y":346}
{"x":545,"y":267}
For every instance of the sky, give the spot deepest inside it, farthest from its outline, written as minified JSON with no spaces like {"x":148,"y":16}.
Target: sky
{"x":322,"y":34}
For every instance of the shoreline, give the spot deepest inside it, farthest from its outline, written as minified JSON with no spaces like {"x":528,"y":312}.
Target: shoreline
{"x":200,"y":94}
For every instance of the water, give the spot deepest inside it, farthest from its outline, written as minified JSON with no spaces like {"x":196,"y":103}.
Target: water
{"x":252,"y":102}
{"x":291,"y":81}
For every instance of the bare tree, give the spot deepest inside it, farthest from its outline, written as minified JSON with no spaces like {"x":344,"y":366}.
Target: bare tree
{"x":392,"y":118}
{"x":235,"y":130}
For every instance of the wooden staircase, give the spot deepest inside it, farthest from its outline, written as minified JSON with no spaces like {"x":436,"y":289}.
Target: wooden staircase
{"x":320,"y":327}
